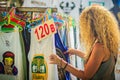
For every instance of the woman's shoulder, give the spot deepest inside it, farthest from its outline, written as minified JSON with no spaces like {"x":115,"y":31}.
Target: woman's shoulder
{"x":98,"y":46}
{"x":100,"y":50}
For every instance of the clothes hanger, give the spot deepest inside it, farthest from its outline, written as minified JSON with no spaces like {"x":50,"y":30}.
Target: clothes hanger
{"x":9,"y":26}
{"x":58,"y":20}
{"x":17,"y":21}
{"x":15,"y":18}
{"x":38,"y":21}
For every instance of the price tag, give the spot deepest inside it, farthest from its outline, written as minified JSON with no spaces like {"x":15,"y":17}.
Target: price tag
{"x":44,"y":30}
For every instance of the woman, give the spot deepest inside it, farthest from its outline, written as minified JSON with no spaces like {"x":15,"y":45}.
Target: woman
{"x":100,"y":36}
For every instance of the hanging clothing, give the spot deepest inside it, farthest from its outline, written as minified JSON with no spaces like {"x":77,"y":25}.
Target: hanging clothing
{"x":12,"y":57}
{"x":116,"y":10}
{"x":39,"y":67}
{"x":60,"y":48}
{"x":71,"y":8}
{"x":26,"y":40}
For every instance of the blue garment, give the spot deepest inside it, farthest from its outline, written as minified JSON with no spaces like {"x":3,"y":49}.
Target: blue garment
{"x":116,"y":2}
{"x":116,"y":10}
{"x":59,"y":45}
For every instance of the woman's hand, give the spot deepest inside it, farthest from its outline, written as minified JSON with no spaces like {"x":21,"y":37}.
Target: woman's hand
{"x":71,"y":51}
{"x":54,"y":59}
{"x":76,"y":52}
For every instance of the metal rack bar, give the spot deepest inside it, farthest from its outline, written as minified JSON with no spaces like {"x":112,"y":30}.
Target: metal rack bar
{"x":28,"y":9}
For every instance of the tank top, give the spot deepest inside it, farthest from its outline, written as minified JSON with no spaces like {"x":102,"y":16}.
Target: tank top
{"x":106,"y":70}
{"x":38,"y":56}
{"x":12,"y":51}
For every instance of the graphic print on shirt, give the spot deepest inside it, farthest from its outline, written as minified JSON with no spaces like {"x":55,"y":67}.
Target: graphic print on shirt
{"x":39,"y":68}
{"x":7,"y":65}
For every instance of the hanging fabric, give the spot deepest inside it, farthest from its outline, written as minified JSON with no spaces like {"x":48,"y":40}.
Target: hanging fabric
{"x":40,"y":49}
{"x":60,"y":48}
{"x":12,"y":60}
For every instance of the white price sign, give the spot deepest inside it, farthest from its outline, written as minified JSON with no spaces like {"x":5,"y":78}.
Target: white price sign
{"x":44,"y":30}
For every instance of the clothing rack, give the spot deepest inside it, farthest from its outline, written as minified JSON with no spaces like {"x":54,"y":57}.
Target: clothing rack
{"x":28,"y":9}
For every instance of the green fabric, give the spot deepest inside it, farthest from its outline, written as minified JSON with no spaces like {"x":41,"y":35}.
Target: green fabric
{"x":23,"y":56}
{"x":106,"y":70}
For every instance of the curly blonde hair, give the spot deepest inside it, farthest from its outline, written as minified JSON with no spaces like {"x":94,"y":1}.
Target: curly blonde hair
{"x":98,"y":22}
